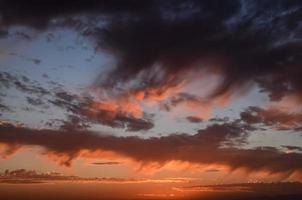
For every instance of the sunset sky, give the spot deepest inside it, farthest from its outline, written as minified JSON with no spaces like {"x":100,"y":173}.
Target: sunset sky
{"x":150,"y":99}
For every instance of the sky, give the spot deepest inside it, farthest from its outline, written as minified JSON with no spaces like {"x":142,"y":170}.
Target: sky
{"x":151,"y":99}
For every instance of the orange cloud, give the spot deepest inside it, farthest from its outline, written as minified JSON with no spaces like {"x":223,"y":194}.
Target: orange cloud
{"x":119,"y":106}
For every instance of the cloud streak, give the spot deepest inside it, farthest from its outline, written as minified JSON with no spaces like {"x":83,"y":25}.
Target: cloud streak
{"x":23,"y":176}
{"x":203,"y":148}
{"x":273,"y":117}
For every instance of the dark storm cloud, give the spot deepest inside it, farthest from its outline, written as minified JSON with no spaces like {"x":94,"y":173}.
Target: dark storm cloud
{"x":38,"y":14}
{"x":246,"y":40}
{"x":205,"y":147}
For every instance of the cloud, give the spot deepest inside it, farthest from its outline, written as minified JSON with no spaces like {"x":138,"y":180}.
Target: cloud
{"x":4,"y":108}
{"x":159,"y":49}
{"x":22,"y":83}
{"x":116,"y":114}
{"x":267,"y":190}
{"x":213,"y":145}
{"x":239,"y":50}
{"x":34,"y":102}
{"x":84,"y":109}
{"x":67,"y":101}
{"x":212,"y":170}
{"x":241,"y":41}
{"x":41,"y":14}
{"x":23,"y":57}
{"x":25,"y":36}
{"x":3,"y":34}
{"x":106,"y":163}
{"x":192,"y":101}
{"x":274,"y":117}
{"x":75,"y":122}
{"x":292,"y":147}
{"x":23,"y":176}
{"x":194,"y":119}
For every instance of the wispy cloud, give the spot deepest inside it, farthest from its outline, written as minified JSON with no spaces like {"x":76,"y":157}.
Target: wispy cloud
{"x":23,"y":176}
{"x":106,"y":163}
